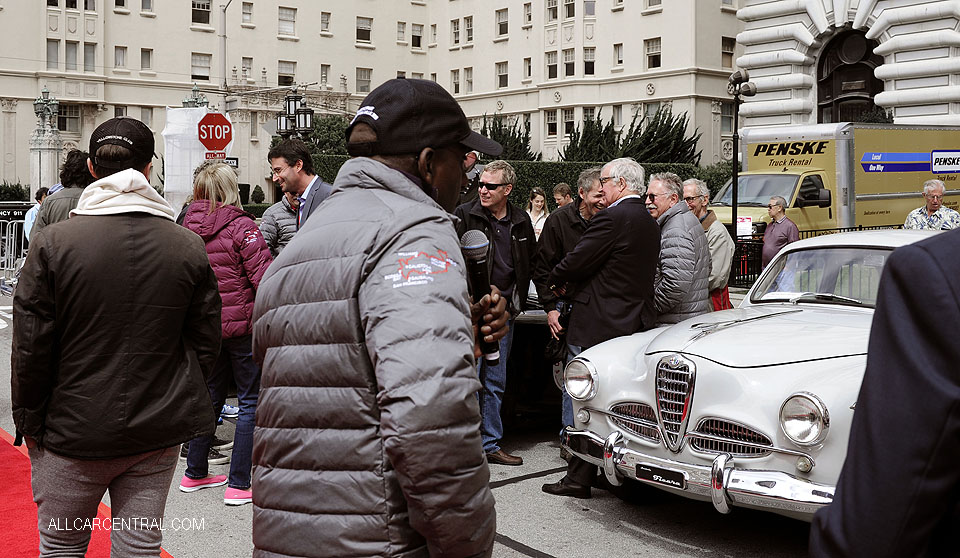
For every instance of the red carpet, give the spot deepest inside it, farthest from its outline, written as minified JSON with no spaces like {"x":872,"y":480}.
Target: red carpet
{"x":18,"y":513}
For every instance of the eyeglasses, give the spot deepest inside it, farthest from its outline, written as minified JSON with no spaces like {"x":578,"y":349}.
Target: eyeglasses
{"x":277,"y":171}
{"x":689,"y":199}
{"x":653,"y":197}
{"x":490,"y":186}
{"x":606,"y":178}
{"x":934,"y":196}
{"x":772,"y":205}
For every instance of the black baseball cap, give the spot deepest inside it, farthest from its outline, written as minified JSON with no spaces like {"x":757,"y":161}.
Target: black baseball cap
{"x":125,"y":132}
{"x":411,"y":114}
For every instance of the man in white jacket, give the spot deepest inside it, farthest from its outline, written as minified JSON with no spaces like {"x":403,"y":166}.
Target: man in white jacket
{"x":721,"y":246}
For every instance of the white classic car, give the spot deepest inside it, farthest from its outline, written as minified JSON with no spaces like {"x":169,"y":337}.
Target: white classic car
{"x":749,"y":407}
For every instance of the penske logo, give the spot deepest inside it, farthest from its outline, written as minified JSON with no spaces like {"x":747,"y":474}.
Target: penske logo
{"x":945,"y":162}
{"x":791,"y":148}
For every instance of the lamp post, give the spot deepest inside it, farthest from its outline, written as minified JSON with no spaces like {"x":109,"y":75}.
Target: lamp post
{"x":739,"y":86}
{"x":196,"y":99}
{"x":296,"y":118}
{"x":45,"y":142}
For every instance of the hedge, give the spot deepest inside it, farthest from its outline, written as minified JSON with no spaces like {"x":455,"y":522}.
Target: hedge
{"x":14,"y":191}
{"x":256,"y":209}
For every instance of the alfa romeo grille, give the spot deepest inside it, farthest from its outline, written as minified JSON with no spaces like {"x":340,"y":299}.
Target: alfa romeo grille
{"x":729,"y":437}
{"x":638,"y":418}
{"x":675,"y":380}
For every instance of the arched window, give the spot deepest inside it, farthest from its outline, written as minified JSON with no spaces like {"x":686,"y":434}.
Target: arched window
{"x":845,"y":80}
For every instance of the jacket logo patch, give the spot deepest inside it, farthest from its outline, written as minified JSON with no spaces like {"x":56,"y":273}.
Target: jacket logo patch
{"x":418,"y":268}
{"x":250,"y":236}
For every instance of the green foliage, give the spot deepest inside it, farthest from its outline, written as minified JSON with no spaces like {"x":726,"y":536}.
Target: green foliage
{"x":256,"y":209}
{"x":257,"y":196}
{"x":14,"y":191}
{"x":596,"y":142}
{"x":514,"y":137}
{"x":663,"y":140}
{"x":877,"y":115}
{"x":716,"y":175}
{"x":327,"y":136}
{"x":327,"y":166}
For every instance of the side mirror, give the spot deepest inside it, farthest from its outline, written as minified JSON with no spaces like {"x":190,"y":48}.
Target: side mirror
{"x":825,"y":198}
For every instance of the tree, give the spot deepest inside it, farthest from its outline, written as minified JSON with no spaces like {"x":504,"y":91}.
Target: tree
{"x":514,"y":137}
{"x":257,"y":196}
{"x":596,"y":142}
{"x":663,"y":140}
{"x":327,"y":136}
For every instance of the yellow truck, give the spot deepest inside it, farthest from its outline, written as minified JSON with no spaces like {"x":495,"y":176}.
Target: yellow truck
{"x":841,"y":175}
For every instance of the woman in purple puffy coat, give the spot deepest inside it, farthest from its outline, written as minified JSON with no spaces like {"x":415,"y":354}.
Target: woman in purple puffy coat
{"x":239,"y":257}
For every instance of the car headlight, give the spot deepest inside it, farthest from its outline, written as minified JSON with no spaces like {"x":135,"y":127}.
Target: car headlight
{"x":804,"y":419}
{"x":580,"y":379}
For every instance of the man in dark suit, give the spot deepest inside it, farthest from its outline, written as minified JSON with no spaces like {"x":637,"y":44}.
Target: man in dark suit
{"x":614,"y":265}
{"x":292,"y":169}
{"x":899,"y":490}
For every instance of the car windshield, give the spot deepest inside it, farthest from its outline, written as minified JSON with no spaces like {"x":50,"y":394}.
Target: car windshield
{"x":824,"y":275}
{"x":757,"y":189}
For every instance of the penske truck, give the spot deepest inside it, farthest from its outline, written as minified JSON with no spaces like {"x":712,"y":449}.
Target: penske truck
{"x":841,"y":175}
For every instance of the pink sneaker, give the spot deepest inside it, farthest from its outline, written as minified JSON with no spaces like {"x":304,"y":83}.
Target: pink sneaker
{"x":192,"y":485}
{"x":237,"y":497}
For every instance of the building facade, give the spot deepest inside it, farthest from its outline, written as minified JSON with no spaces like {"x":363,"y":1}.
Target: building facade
{"x":552,"y":63}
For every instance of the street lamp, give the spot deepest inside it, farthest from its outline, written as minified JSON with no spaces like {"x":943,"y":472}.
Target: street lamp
{"x":196,"y":99}
{"x":46,"y":108}
{"x":740,"y":86}
{"x":296,"y":118}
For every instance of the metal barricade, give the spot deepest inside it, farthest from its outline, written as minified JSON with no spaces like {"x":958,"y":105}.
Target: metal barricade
{"x":13,"y":247}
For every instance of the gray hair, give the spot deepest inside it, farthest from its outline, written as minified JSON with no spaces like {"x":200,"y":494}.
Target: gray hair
{"x":507,"y":176}
{"x":670,"y":181}
{"x":587,"y":180}
{"x":779,"y":201}
{"x":931,"y":184}
{"x":630,"y":171}
{"x":702,"y":189}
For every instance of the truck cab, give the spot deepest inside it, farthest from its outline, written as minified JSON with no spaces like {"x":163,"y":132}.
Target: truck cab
{"x":808,"y":191}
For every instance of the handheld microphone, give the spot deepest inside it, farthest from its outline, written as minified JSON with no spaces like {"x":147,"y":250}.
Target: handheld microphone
{"x":475,"y":247}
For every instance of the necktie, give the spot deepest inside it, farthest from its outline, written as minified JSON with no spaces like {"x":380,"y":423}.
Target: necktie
{"x":299,"y":209}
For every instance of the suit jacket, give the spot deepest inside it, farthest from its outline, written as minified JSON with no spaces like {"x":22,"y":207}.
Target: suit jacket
{"x":317,"y":194}
{"x":614,"y":263}
{"x":899,"y":490}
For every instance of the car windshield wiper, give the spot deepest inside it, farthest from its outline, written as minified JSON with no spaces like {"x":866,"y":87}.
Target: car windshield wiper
{"x":825,"y":296}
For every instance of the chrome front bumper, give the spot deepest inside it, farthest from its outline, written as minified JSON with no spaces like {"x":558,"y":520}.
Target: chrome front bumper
{"x":722,"y":483}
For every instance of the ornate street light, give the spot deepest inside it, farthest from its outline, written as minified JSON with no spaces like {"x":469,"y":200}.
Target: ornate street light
{"x":196,"y":99}
{"x":740,"y":86}
{"x":46,"y":108}
{"x":296,"y":118}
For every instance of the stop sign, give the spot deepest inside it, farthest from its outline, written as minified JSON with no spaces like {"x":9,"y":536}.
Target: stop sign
{"x":215,"y":131}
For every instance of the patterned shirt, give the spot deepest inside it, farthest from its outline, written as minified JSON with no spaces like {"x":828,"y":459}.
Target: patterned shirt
{"x":943,"y":219}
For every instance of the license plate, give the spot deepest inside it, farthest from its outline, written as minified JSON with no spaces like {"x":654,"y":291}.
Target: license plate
{"x":666,"y":477}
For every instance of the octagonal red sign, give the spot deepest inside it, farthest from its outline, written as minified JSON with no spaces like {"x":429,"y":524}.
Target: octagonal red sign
{"x":215,"y":131}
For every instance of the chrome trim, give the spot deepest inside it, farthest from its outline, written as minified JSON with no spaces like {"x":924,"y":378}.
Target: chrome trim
{"x":773,"y":449}
{"x":720,"y":472}
{"x":899,"y":195}
{"x":824,"y":416}
{"x":766,"y":490}
{"x":673,"y":421}
{"x":611,"y":455}
{"x":726,"y":437}
{"x":594,"y":377}
{"x":651,"y":425}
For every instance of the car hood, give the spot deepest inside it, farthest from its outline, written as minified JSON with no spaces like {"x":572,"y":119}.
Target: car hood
{"x":767,"y":335}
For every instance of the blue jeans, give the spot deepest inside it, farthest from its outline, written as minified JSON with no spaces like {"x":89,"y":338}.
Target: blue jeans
{"x":235,"y":360}
{"x":493,"y":380}
{"x":566,"y":409}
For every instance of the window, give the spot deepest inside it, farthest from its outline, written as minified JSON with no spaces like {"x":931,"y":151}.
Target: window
{"x":503,"y":26}
{"x":502,"y":76}
{"x":589,"y":114}
{"x":433,"y":33}
{"x":90,"y":5}
{"x":253,"y":124}
{"x":120,"y":57}
{"x":401,"y":31}
{"x":68,"y":119}
{"x":324,"y":74}
{"x":89,"y":57}
{"x":527,"y":13}
{"x":416,"y":35}
{"x":727,"y":46}
{"x":653,"y":3}
{"x":146,"y":58}
{"x":589,"y":57}
{"x":201,"y":12}
{"x":53,"y":54}
{"x":569,"y":63}
{"x":200,"y":66}
{"x":551,"y":123}
{"x":287,"y":21}
{"x":246,"y":12}
{"x":119,"y":111}
{"x":569,"y":9}
{"x":527,"y":68}
{"x":364,"y":27}
{"x":417,"y":75}
{"x":617,"y":2}
{"x":618,"y":115}
{"x":649,"y":111}
{"x":727,"y":2}
{"x":286,"y":72}
{"x":455,"y":82}
{"x":364,"y":75}
{"x":552,"y":65}
{"x":146,"y":116}
{"x":468,"y":79}
{"x":455,"y":31}
{"x":468,"y":29}
{"x":726,"y":118}
{"x":54,"y":3}
{"x":71,"y":4}
{"x":652,"y":48}
{"x":70,"y":56}
{"x":324,"y":22}
{"x":120,"y":3}
{"x":568,"y":123}
{"x":401,"y":75}
{"x":146,"y":5}
{"x":618,"y":54}
{"x":552,"y":10}
{"x":246,"y":67}
{"x":589,"y":7}
{"x":433,"y":77}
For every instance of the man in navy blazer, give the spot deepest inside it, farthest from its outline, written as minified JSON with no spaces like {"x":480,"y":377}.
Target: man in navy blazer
{"x":899,"y":489}
{"x":611,"y":273}
{"x":292,"y":168}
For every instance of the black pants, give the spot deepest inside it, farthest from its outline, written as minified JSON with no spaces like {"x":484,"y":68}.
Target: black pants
{"x":581,"y":472}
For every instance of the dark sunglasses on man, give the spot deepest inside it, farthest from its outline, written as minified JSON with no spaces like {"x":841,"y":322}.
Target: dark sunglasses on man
{"x":491,"y":186}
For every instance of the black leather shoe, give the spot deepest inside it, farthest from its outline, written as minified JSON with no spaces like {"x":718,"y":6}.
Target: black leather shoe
{"x":561,"y":488}
{"x":503,"y":458}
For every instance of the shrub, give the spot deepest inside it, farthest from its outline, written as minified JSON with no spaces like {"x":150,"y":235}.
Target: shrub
{"x":257,"y":196}
{"x":14,"y":191}
{"x":716,"y":175}
{"x":256,"y":209}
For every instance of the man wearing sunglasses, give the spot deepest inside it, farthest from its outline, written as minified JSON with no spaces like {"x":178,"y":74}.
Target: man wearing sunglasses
{"x":513,"y":252}
{"x":933,"y":215}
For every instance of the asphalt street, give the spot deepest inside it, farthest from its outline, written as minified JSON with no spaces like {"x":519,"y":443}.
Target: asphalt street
{"x":529,"y":522}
